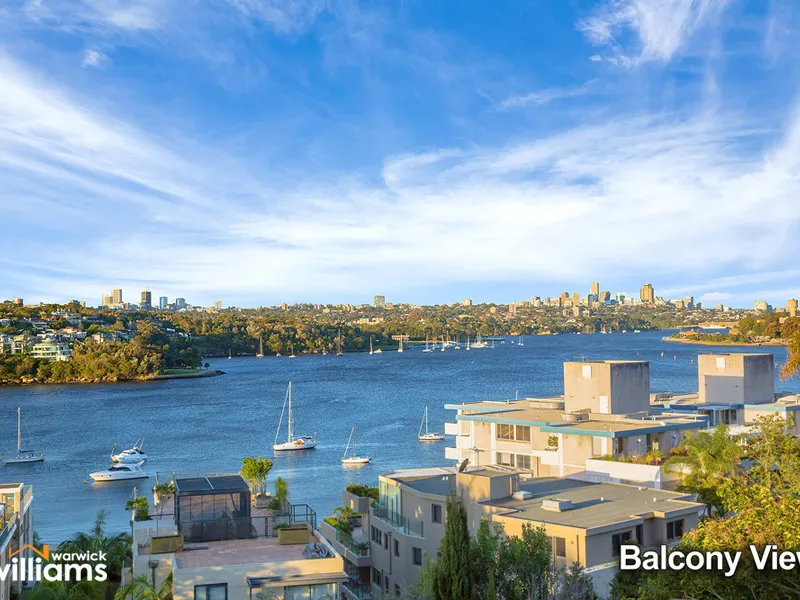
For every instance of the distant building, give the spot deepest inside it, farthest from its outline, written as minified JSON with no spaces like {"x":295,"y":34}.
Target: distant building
{"x":564,"y":297}
{"x":466,"y":302}
{"x":116,"y":296}
{"x":379,"y":301}
{"x":18,"y":301}
{"x":146,"y":299}
{"x":576,"y":298}
{"x":591,"y":300}
{"x":180,"y":303}
{"x":688,"y":302}
{"x":163,"y":302}
{"x":51,"y":350}
{"x":762,"y":306}
{"x":791,"y":307}
{"x":493,"y":310}
{"x":106,"y":300}
{"x":647,"y":294}
{"x":620,"y":297}
{"x":678,"y":303}
{"x":218,"y":304}
{"x":595,"y":288}
{"x":605,"y":297}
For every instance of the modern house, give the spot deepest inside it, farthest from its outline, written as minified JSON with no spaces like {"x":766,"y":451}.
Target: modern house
{"x":733,"y":389}
{"x":218,"y":546}
{"x":16,"y":529}
{"x":586,"y":522}
{"x":51,"y":349}
{"x":605,"y":412}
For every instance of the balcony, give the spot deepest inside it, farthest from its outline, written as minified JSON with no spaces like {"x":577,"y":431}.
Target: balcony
{"x":459,"y":428}
{"x":402,"y":524}
{"x":356,"y":589}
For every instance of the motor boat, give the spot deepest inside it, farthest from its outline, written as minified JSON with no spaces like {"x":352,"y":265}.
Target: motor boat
{"x":131,"y":455}
{"x":293,"y":442}
{"x":120,"y":472}
{"x":428,"y":436}
{"x":22,"y":456}
{"x":354,"y":458}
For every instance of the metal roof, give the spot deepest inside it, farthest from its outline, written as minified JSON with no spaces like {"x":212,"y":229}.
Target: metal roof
{"x":212,"y":483}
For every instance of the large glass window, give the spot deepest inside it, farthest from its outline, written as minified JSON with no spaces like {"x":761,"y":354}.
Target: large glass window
{"x":322,"y":591}
{"x":416,"y":557}
{"x":505,"y":432}
{"x":523,"y":462}
{"x":214,"y":591}
{"x":436,"y":513}
{"x":674,"y":530}
{"x":523,"y":433}
{"x":617,"y":540}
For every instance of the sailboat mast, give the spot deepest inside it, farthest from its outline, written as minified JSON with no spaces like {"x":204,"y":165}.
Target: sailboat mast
{"x":290,"y":437}
{"x":19,"y":429}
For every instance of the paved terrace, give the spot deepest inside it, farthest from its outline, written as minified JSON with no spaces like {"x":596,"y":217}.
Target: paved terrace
{"x":239,"y":552}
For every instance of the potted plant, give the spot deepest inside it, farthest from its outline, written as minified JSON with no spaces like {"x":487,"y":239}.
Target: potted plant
{"x":256,"y":470}
{"x":282,"y":493}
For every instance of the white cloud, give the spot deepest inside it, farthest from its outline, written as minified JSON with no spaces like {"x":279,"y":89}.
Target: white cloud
{"x":714,"y":297}
{"x":100,"y":15}
{"x":285,"y":16}
{"x":661,"y":27}
{"x":93,"y":58}
{"x":543,"y":97}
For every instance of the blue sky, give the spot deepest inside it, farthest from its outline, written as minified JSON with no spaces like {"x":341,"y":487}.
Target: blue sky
{"x":266,"y":151}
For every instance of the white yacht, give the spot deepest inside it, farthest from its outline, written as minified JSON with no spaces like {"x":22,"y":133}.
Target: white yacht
{"x":354,"y":458}
{"x":131,"y":455}
{"x":120,"y":472}
{"x":23,"y":456}
{"x":400,"y":349}
{"x":479,"y":343}
{"x":428,"y":436}
{"x":293,"y":442}
{"x":427,"y":348}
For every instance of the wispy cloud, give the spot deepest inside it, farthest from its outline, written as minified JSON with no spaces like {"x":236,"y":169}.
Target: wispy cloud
{"x":93,"y":58}
{"x":638,"y":31}
{"x":547,"y":96}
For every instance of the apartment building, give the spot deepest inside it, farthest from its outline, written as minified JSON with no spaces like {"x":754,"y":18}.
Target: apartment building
{"x":734,"y":389}
{"x":16,"y":529}
{"x":51,"y":349}
{"x":605,"y":411}
{"x":219,"y":546}
{"x":586,"y":522}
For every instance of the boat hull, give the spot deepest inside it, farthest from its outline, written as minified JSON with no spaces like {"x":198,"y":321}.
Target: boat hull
{"x":430,"y":437}
{"x":356,"y":460}
{"x":294,"y":446}
{"x":100,"y":476}
{"x":19,"y":460}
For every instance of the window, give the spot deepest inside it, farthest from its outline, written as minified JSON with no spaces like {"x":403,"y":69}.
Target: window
{"x":377,"y":578}
{"x":523,"y":433}
{"x":505,"y":459}
{"x":720,"y":362}
{"x":586,"y":371}
{"x":640,"y":535}
{"x":597,"y":446}
{"x":617,"y":540}
{"x":505,"y":432}
{"x":619,"y":445}
{"x":523,"y":462}
{"x":386,"y":541}
{"x":396,"y":548}
{"x":436,"y":513}
{"x":310,"y":592}
{"x":560,"y":547}
{"x":385,"y":583}
{"x":416,"y":557}
{"x":674,"y":530}
{"x":397,"y":590}
{"x":376,"y":535}
{"x":214,"y":591}
{"x":648,"y":442}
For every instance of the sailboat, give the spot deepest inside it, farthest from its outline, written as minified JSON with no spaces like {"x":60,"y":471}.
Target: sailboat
{"x":427,"y":349}
{"x":520,"y":342}
{"x":428,"y":436}
{"x":400,"y":349}
{"x":339,"y":351}
{"x":468,"y":346}
{"x":230,"y":356}
{"x":292,"y":354}
{"x":260,"y":347}
{"x":444,"y":345}
{"x":293,"y":442}
{"x":479,"y":343}
{"x":23,"y":456}
{"x":354,"y":458}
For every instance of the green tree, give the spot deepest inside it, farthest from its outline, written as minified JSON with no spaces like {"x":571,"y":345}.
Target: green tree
{"x":452,"y":578}
{"x":117,"y":548}
{"x":256,"y":470}
{"x":573,"y":584}
{"x":282,"y":492}
{"x":706,"y":457}
{"x":142,"y":589}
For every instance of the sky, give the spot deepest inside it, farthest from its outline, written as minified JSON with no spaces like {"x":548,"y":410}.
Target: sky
{"x":267,"y":151}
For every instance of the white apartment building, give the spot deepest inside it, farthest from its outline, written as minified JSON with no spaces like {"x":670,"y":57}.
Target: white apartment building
{"x":16,"y":529}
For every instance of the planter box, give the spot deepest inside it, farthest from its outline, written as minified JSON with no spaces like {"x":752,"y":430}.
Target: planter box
{"x":357,"y":503}
{"x":298,"y":533}
{"x":166,"y":544}
{"x":262,"y":501}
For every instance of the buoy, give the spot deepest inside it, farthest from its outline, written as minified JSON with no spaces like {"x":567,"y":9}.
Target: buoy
{"x":84,"y":481}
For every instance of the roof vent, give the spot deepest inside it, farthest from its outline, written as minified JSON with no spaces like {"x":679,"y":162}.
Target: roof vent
{"x":522,"y":495}
{"x":557,"y":504}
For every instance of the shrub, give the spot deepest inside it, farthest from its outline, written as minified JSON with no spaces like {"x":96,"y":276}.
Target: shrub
{"x":363,"y":491}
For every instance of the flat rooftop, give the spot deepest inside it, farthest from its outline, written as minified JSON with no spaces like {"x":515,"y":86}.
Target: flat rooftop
{"x":594,"y":505}
{"x":210,"y":483}
{"x":241,"y":552}
{"x":438,"y":481}
{"x":552,"y":419}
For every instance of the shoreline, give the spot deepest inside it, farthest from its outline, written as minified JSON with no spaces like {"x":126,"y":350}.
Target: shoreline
{"x":722,"y":343}
{"x":165,"y":377}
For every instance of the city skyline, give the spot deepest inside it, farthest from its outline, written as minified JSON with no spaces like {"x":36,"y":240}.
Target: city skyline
{"x":265,"y":152}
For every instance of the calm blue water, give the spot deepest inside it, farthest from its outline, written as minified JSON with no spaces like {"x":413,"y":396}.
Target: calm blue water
{"x":211,"y":424}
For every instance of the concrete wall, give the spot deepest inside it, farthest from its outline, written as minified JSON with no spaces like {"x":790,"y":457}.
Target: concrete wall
{"x":736,"y":378}
{"x":607,"y":387}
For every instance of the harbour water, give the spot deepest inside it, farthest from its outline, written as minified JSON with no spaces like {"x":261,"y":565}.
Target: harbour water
{"x":210,"y":424}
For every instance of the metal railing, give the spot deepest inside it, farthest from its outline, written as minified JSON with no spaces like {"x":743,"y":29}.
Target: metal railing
{"x":238,"y":528}
{"x":403,"y":524}
{"x":357,"y":548}
{"x":358,"y":590}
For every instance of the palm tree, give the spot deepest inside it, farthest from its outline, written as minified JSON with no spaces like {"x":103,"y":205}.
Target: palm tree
{"x":59,"y":590}
{"x":792,"y":366}
{"x":707,"y":457}
{"x":117,"y":548}
{"x":141,"y":589}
